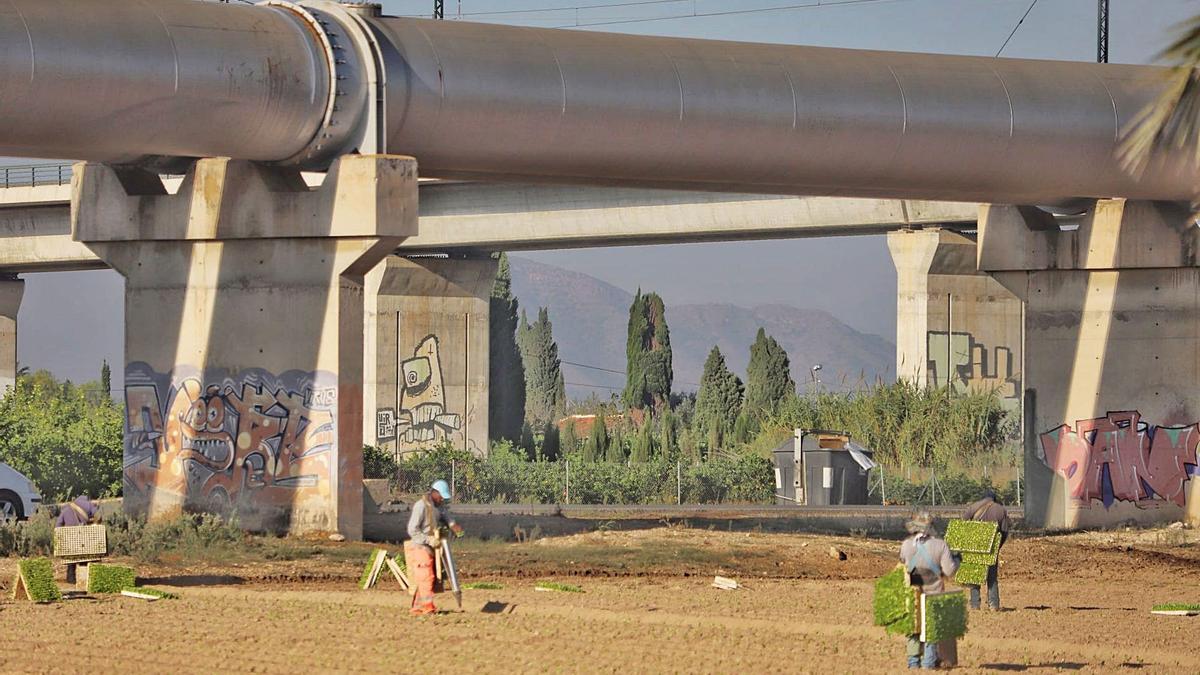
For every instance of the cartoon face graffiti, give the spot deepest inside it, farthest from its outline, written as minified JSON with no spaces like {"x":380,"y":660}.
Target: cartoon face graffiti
{"x":196,"y":425}
{"x":423,"y":417}
{"x":213,"y":445}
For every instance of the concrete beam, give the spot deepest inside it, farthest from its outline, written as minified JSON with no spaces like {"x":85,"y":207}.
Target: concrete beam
{"x":491,"y":217}
{"x":479,"y":217}
{"x":1115,"y":234}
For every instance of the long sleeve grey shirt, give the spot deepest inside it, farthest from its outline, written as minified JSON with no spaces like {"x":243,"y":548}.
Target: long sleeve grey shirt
{"x":418,"y":522}
{"x":930,"y":557}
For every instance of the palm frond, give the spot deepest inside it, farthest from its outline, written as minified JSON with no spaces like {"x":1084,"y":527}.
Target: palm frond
{"x":1172,"y":121}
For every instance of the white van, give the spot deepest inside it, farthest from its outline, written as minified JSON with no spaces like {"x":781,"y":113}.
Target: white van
{"x":18,"y":496}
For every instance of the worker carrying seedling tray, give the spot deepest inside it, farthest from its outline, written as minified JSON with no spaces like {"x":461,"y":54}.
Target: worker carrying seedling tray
{"x":928,"y":561}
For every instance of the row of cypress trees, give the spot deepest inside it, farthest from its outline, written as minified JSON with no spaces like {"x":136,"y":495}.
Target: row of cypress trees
{"x":529,"y":392}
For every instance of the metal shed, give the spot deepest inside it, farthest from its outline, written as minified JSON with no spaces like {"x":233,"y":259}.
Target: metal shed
{"x":821,"y":468}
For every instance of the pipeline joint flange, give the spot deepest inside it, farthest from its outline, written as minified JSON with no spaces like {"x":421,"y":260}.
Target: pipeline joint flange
{"x":352,"y":66}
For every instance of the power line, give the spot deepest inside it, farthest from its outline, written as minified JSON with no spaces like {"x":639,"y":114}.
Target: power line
{"x":536,"y":10}
{"x":614,"y":372}
{"x":584,"y":365}
{"x":812,"y":5}
{"x":1016,"y":27}
{"x":594,"y":386}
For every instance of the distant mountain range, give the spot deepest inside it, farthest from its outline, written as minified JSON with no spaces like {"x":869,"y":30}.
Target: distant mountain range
{"x":590,"y":319}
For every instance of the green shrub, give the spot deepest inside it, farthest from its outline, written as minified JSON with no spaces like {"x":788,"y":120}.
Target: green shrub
{"x":905,"y":423}
{"x":945,"y":616}
{"x":895,"y":603}
{"x":110,"y":578}
{"x":202,"y":535}
{"x":505,"y":477}
{"x":38,"y":576}
{"x":378,"y":463}
{"x":33,"y":537}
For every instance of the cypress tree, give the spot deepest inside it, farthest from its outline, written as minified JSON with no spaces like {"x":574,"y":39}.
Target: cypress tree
{"x":719,"y":400}
{"x":616,"y":447}
{"x":568,"y":442}
{"x":545,"y":389}
{"x":596,"y":446}
{"x":106,"y":379}
{"x":643,"y":445}
{"x":649,"y":368}
{"x":668,"y":446}
{"x":768,"y":377}
{"x":551,"y":447}
{"x":506,"y":369}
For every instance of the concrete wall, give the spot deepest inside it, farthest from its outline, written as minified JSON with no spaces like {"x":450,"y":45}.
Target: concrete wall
{"x":244,"y":333}
{"x":953,"y":323}
{"x":11,"y":292}
{"x":429,"y":375}
{"x":1112,"y":354}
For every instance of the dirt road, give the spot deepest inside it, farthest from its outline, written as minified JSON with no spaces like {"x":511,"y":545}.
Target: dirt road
{"x":1077,"y":603}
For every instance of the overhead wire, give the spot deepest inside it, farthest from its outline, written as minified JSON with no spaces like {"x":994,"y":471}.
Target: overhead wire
{"x":1016,"y":28}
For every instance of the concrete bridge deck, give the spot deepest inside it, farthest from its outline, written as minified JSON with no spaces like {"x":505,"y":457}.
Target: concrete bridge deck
{"x":465,"y":218}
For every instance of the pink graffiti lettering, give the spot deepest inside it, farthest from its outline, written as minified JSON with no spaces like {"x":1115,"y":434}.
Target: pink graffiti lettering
{"x":1135,"y":461}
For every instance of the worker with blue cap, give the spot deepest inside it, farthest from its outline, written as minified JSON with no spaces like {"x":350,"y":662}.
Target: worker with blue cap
{"x":429,"y":515}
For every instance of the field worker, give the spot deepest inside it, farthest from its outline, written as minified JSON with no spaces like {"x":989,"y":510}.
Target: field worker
{"x":82,"y":511}
{"x":429,"y":515}
{"x":991,"y":510}
{"x":928,"y":560}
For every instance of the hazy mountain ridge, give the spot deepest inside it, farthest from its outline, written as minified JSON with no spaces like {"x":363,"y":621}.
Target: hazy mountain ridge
{"x":590,"y":318}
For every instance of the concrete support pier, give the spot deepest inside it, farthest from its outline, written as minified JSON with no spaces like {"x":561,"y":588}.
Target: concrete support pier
{"x":244,"y":331}
{"x":427,"y":353}
{"x":954,"y":324}
{"x":1112,"y":359}
{"x":11,"y":291}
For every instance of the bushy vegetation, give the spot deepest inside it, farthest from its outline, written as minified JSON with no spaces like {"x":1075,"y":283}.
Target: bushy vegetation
{"x":378,"y":463}
{"x":66,"y":438}
{"x":507,"y":477}
{"x":188,"y":534}
{"x":904,"y":424}
{"x":33,"y":537}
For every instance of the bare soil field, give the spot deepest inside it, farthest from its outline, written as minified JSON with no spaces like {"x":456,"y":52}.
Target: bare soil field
{"x":1073,"y":603}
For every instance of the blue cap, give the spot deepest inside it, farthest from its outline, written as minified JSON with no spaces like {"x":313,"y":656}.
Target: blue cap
{"x":443,"y":488}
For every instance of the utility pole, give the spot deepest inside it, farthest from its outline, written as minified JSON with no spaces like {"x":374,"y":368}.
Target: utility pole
{"x":1102,"y":31}
{"x":439,"y":9}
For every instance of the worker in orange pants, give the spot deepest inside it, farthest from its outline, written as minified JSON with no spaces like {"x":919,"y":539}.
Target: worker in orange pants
{"x":428,"y":516}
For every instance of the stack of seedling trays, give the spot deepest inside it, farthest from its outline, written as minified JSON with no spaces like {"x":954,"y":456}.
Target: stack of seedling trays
{"x":979,"y":544}
{"x":902,"y":609}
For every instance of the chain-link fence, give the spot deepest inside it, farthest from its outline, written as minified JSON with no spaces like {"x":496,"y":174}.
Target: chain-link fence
{"x":913,"y":486}
{"x":747,"y":480}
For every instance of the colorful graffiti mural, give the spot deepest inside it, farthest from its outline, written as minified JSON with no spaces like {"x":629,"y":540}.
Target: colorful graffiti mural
{"x":1121,"y":457}
{"x":423,"y":417}
{"x":972,"y":364}
{"x":216,"y":442}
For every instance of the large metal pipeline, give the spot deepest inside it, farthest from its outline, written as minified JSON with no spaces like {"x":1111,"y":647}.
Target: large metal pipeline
{"x":128,"y":79}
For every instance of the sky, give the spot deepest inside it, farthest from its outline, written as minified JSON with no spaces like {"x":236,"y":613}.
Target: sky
{"x":70,"y":322}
